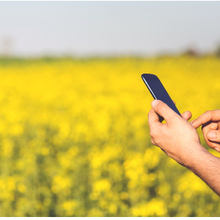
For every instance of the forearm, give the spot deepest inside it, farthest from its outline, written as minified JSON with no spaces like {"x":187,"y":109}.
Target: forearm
{"x":207,"y":167}
{"x":180,"y":141}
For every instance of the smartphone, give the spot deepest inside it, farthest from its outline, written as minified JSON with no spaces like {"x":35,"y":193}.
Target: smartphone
{"x":158,"y":91}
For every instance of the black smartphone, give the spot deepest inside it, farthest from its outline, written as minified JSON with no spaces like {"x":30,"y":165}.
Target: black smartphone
{"x":158,"y":91}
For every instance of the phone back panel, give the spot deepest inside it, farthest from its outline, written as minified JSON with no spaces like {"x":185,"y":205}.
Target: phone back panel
{"x":158,"y":91}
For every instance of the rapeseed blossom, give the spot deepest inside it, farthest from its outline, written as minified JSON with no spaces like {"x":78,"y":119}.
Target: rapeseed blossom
{"x":74,"y":137}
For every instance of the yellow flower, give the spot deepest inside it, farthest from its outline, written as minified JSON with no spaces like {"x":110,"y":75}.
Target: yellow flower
{"x":74,"y":137}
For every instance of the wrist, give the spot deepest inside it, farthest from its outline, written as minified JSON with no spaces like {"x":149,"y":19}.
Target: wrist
{"x":196,"y":157}
{"x":206,"y":167}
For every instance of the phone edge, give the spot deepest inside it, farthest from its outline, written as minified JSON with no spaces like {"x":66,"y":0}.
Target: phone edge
{"x":149,"y":88}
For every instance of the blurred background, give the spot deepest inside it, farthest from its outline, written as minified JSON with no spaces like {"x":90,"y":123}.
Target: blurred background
{"x":74,"y":135}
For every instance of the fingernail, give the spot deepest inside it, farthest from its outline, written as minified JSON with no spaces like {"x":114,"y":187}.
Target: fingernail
{"x":211,"y":135}
{"x":155,"y":103}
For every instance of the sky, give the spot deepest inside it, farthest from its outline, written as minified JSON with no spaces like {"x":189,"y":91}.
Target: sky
{"x":108,"y":28}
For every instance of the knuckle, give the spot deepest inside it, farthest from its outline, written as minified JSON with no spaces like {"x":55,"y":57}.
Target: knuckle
{"x":216,"y":114}
{"x":207,"y":115}
{"x":160,"y":105}
{"x":155,"y":107}
{"x":174,"y":120}
{"x":153,"y":142}
{"x":152,"y":133}
{"x":207,"y":112}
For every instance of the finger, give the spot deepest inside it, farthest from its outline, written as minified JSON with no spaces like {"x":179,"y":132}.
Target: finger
{"x":217,"y":149}
{"x":192,"y":121}
{"x":187,"y":115}
{"x":163,"y":110}
{"x":215,"y":146}
{"x":205,"y":130}
{"x":206,"y":117}
{"x":209,"y":127}
{"x":153,"y":118}
{"x":152,"y":141}
{"x":213,"y":135}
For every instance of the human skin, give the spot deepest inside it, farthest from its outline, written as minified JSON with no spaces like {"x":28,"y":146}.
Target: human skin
{"x":179,"y":139}
{"x":210,"y":122}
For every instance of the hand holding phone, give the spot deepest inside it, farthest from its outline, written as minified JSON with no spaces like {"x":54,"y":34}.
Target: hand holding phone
{"x":158,"y":91}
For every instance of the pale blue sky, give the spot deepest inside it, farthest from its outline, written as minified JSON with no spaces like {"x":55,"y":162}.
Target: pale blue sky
{"x":109,"y":28}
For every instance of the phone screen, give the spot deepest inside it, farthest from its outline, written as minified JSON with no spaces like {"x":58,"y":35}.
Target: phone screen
{"x":158,"y":91}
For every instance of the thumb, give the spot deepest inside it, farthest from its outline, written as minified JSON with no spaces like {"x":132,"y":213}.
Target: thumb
{"x":214,"y":135}
{"x":163,"y":110}
{"x":187,"y":115}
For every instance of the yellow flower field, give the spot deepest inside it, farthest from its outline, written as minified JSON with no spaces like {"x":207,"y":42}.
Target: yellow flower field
{"x":74,"y":137}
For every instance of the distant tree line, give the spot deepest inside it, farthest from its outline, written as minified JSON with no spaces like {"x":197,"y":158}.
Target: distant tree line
{"x":195,"y":53}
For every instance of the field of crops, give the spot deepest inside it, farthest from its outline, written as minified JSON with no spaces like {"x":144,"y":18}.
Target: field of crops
{"x":74,"y":137}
